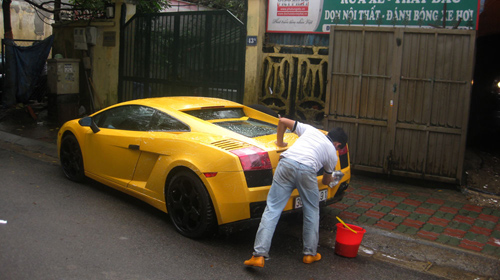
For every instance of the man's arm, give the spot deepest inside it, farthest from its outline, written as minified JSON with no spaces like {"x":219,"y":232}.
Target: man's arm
{"x":283,"y":124}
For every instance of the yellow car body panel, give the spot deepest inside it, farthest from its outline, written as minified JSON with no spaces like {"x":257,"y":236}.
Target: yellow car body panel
{"x":140,"y":163}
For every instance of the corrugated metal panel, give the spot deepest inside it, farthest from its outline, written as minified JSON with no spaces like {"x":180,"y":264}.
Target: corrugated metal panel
{"x":361,"y":70}
{"x":403,"y":96}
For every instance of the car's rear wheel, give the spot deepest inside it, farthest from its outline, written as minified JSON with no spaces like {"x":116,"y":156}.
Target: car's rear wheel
{"x":189,"y":206}
{"x":71,"y":158}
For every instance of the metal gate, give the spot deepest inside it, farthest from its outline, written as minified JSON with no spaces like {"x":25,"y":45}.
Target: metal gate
{"x":182,"y":53}
{"x":403,"y":97}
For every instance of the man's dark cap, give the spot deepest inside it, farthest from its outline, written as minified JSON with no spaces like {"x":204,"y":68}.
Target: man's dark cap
{"x":337,"y":134}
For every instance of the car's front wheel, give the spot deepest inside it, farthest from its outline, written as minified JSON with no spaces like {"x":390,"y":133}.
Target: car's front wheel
{"x":71,"y":158}
{"x":189,"y":206}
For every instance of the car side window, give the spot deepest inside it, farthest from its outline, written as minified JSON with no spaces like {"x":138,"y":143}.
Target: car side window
{"x":164,"y":122}
{"x":130,"y":117}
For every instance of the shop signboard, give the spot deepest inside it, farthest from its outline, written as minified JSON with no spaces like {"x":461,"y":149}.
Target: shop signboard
{"x":317,"y":16}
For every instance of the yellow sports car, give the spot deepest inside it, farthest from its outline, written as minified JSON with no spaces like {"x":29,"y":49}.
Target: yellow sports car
{"x":206,"y":162}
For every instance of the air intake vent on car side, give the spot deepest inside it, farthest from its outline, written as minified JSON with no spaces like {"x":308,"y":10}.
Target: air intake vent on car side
{"x":230,"y":144}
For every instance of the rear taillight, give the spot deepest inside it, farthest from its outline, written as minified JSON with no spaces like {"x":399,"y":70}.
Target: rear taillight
{"x":343,"y":151}
{"x":253,"y":158}
{"x":344,"y":157}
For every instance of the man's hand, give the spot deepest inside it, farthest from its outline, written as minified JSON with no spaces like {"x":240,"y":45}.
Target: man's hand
{"x":327,"y":178}
{"x":282,"y":144}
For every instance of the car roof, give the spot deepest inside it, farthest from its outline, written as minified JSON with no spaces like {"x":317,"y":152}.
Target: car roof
{"x":182,"y":103}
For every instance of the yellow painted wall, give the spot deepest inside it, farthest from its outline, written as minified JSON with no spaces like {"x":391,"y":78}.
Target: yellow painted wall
{"x":102,"y":79}
{"x":23,"y":22}
{"x":256,"y":26}
{"x":105,"y":60}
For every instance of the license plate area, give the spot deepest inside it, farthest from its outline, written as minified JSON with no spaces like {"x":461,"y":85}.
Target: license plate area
{"x":298,"y":201}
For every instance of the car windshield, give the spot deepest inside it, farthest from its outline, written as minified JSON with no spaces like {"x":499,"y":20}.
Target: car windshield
{"x":249,"y":127}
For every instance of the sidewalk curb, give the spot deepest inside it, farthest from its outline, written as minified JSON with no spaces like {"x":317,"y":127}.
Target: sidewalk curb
{"x":418,"y":254}
{"x":30,"y":147}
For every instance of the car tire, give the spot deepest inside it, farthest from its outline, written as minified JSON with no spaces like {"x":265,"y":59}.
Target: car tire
{"x":189,"y":206}
{"x":71,"y":158}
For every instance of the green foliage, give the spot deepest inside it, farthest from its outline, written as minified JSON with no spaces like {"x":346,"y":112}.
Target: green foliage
{"x":236,"y":7}
{"x":151,"y":6}
{"x":91,"y":5}
{"x":143,"y":6}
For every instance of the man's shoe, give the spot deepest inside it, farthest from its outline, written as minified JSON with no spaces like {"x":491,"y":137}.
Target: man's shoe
{"x":311,"y":259}
{"x":255,"y":261}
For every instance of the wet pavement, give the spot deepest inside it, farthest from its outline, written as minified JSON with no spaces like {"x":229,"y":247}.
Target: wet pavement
{"x":33,"y":122}
{"x":428,"y":226}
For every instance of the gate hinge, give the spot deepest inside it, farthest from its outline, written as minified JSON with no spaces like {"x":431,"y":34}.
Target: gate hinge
{"x":389,"y":163}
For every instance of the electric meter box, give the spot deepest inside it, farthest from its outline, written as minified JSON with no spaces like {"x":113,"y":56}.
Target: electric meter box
{"x":63,"y":75}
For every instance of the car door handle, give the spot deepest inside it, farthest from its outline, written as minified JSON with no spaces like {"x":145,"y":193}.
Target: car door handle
{"x":133,"y":147}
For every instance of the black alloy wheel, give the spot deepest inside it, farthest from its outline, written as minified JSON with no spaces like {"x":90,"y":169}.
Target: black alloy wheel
{"x":71,"y":158}
{"x":189,"y":206}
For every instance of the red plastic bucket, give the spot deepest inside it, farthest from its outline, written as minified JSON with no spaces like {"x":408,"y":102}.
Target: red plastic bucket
{"x":347,"y":242}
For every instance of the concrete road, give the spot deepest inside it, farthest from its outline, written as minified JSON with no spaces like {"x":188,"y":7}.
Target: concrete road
{"x":52,"y":228}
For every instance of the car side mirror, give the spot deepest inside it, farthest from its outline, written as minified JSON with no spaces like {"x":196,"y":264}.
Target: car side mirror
{"x":88,"y":121}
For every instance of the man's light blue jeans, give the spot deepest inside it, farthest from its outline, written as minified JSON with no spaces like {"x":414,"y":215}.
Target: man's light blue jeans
{"x":288,"y":176}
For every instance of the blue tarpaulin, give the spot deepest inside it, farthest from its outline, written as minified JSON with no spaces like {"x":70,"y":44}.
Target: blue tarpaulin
{"x":23,"y":67}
